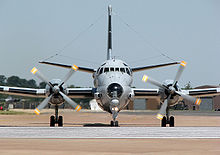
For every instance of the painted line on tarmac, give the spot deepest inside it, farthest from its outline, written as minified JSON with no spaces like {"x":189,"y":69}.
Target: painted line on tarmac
{"x":110,"y":132}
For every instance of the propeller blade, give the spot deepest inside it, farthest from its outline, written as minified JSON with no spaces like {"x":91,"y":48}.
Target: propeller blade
{"x":152,"y":81}
{"x":73,"y":69}
{"x":36,"y":72}
{"x":163,"y":109}
{"x":42,"y":105}
{"x":189,"y":98}
{"x":179,"y":72}
{"x":68,"y":100}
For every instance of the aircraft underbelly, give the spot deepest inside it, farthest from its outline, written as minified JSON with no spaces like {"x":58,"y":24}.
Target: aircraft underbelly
{"x":106,"y":106}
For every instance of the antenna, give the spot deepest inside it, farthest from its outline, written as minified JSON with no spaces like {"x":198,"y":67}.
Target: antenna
{"x":109,"y":50}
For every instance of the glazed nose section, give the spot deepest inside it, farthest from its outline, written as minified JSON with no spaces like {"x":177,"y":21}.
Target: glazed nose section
{"x":115,"y":90}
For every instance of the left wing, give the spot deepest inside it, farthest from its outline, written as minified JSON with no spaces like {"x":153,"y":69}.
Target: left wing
{"x":29,"y":92}
{"x":146,"y":93}
{"x":203,"y":92}
{"x":137,"y":69}
{"x":154,"y":93}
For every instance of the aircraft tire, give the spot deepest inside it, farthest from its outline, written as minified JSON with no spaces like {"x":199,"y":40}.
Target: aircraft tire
{"x":171,"y":121}
{"x":163,"y":122}
{"x":60,"y":121}
{"x":52,"y":121}
{"x":112,"y":123}
{"x":116,"y":123}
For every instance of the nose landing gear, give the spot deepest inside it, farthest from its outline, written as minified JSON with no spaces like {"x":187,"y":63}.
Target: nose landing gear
{"x":56,"y":119}
{"x":114,"y":123}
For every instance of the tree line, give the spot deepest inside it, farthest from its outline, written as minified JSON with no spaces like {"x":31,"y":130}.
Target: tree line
{"x":15,"y":81}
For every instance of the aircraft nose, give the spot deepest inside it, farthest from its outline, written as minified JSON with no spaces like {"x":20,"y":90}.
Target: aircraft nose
{"x":115,"y":90}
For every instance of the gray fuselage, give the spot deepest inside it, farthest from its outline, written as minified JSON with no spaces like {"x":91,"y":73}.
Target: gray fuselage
{"x":113,"y":81}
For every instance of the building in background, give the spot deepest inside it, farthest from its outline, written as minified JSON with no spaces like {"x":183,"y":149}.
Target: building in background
{"x":208,"y":103}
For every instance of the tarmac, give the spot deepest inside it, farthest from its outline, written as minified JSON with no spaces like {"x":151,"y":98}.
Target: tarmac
{"x":89,"y":132}
{"x":109,"y":132}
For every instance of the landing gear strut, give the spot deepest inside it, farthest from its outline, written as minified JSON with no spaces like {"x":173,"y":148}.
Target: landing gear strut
{"x":167,"y":119}
{"x":56,"y":119}
{"x":114,"y":116}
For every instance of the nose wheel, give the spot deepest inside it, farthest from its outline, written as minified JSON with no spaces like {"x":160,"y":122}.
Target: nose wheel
{"x":55,"y":119}
{"x":114,"y":123}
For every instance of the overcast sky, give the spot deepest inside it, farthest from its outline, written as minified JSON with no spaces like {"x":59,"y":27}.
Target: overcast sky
{"x":33,"y":30}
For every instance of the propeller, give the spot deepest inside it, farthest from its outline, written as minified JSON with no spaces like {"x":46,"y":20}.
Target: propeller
{"x":171,"y":90}
{"x":56,"y":89}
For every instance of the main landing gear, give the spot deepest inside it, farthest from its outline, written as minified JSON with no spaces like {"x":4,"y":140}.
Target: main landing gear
{"x":55,"y":119}
{"x":167,"y":119}
{"x":114,"y":123}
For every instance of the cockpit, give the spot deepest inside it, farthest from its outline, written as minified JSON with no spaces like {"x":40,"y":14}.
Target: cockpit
{"x":125,"y":70}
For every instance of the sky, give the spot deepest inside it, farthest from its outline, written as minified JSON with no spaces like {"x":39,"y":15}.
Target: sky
{"x":145,"y":32}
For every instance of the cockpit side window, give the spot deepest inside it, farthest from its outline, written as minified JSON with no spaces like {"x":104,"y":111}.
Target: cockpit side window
{"x":122,"y":70}
{"x":112,"y":69}
{"x":100,"y":71}
{"x":106,"y":70}
{"x":128,"y":71}
{"x":117,"y":69}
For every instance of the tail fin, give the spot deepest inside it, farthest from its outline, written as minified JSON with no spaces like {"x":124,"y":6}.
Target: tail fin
{"x":109,"y":50}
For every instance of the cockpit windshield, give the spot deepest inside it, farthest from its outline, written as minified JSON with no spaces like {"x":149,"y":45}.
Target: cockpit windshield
{"x":106,"y":70}
{"x":114,"y":69}
{"x":122,"y":70}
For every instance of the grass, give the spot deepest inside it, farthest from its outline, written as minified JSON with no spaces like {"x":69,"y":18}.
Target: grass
{"x":14,"y":113}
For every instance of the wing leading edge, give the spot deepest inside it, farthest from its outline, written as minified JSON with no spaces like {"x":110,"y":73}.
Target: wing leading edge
{"x":146,"y":93}
{"x":208,"y":92}
{"x":29,"y":92}
{"x":154,"y":93}
{"x":41,"y":93}
{"x":81,"y":92}
{"x":84,"y":69}
{"x":137,"y":69}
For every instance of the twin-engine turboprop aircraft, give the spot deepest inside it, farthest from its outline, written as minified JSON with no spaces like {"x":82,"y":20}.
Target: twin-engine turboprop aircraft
{"x":112,"y":88}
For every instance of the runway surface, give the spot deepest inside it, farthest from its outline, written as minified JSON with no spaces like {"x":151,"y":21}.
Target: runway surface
{"x":109,"y":132}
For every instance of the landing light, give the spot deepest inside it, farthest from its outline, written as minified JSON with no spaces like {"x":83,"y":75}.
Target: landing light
{"x":115,"y":109}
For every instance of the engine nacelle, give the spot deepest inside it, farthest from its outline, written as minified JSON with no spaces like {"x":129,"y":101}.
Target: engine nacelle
{"x":131,"y":96}
{"x":97,"y":96}
{"x":56,"y":98}
{"x":165,"y":93}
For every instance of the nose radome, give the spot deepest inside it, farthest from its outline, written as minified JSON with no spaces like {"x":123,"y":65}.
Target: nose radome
{"x":114,"y":90}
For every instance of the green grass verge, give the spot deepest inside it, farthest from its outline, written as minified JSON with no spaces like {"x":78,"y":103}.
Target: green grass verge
{"x":14,"y":113}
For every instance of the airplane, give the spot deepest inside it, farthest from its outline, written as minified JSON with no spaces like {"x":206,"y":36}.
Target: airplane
{"x":112,"y":87}
{"x":10,"y":99}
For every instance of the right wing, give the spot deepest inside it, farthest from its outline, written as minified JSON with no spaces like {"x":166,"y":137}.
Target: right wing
{"x":29,"y":92}
{"x":81,"y":92}
{"x":203,"y":92}
{"x":84,"y":69}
